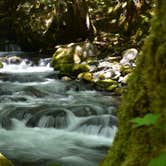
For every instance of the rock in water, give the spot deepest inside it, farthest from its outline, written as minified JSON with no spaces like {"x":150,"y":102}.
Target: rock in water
{"x":4,"y":161}
{"x":1,"y":64}
{"x":73,"y":59}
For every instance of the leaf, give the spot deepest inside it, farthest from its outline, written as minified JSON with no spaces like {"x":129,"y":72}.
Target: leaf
{"x":147,"y":120}
{"x":158,"y":161}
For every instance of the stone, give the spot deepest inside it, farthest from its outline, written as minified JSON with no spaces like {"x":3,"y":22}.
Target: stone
{"x":112,"y":87}
{"x":105,"y":83}
{"x":126,"y":69}
{"x":1,"y":64}
{"x":66,"y":78}
{"x":129,"y":57}
{"x":4,"y":161}
{"x":101,"y":76}
{"x":70,"y":60}
{"x":79,"y":68}
{"x":104,"y":65}
{"x":14,"y":60}
{"x":87,"y":76}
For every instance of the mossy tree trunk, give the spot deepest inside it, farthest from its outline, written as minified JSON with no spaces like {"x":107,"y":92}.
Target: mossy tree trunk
{"x":146,"y":94}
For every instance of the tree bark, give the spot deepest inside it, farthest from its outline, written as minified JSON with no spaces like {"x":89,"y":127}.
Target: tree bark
{"x":146,"y":94}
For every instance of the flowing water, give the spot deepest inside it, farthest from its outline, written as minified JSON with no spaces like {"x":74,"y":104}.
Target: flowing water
{"x":46,"y":120}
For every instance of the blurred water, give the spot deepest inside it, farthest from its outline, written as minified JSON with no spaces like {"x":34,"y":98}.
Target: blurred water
{"x":45,"y":120}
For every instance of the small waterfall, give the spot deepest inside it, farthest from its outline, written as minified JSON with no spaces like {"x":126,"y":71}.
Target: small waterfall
{"x":47,"y":120}
{"x":15,"y":64}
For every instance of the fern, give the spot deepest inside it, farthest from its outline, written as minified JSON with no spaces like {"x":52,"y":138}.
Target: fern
{"x":147,"y":120}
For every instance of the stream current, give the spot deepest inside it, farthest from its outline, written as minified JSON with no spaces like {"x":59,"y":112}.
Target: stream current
{"x":46,"y":120}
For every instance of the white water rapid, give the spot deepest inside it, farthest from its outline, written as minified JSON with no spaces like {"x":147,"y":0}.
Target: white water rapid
{"x":46,"y":120}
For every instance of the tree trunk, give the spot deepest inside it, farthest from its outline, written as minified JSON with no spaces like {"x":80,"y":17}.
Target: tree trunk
{"x":136,"y":146}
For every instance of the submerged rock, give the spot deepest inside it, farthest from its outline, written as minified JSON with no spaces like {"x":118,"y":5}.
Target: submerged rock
{"x":5,"y":123}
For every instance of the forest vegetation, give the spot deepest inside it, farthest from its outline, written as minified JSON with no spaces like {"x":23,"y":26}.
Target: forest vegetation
{"x":116,"y":46}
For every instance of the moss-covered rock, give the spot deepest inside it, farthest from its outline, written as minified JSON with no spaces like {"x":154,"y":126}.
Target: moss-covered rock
{"x":112,"y":87}
{"x":4,"y":161}
{"x":86,"y":76}
{"x":72,"y":59}
{"x":126,"y":69}
{"x":14,"y":60}
{"x":63,"y":60}
{"x":106,"y":84}
{"x":1,"y":64}
{"x":79,"y":68}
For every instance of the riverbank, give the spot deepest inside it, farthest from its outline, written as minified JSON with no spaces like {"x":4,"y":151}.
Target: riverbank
{"x":84,"y":61}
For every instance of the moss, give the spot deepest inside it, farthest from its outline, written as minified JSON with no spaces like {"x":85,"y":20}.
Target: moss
{"x":79,"y":68}
{"x":146,"y":94}
{"x":105,"y":83}
{"x":126,"y":70}
{"x":72,"y":59}
{"x":112,"y":87}
{"x":87,"y":76}
{"x":4,"y":161}
{"x":1,"y":64}
{"x":62,"y":60}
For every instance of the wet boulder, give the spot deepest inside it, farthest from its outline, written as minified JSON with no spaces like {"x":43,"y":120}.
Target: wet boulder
{"x":107,"y":70}
{"x":86,"y":76}
{"x":4,"y":161}
{"x":74,"y":58}
{"x":1,"y":64}
{"x":106,"y":84}
{"x":14,"y":60}
{"x":5,"y":123}
{"x":111,"y":88}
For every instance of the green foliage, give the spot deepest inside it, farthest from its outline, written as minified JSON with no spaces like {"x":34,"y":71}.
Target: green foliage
{"x":50,"y":3}
{"x":159,"y":161}
{"x":147,"y":120}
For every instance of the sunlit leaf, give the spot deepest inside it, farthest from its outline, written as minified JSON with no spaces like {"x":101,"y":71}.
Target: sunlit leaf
{"x":110,"y":9}
{"x":158,"y":161}
{"x":148,"y":119}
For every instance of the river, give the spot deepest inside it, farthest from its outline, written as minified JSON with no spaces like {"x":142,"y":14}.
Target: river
{"x":46,"y":120}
